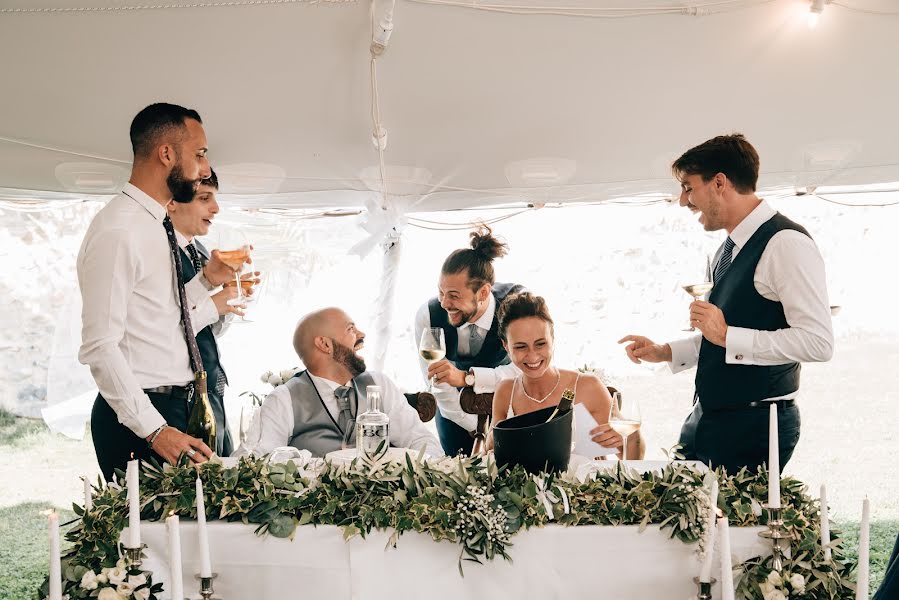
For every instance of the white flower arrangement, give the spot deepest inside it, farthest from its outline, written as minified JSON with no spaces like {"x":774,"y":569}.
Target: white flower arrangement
{"x":279,"y":378}
{"x":777,"y":587}
{"x":117,"y":583}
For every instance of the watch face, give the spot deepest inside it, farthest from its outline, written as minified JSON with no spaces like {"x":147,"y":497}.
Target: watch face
{"x":469,"y":379}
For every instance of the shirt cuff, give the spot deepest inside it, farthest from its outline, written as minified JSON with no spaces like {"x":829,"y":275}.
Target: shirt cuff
{"x":206,"y":314}
{"x":683,"y":355}
{"x":484,"y":380}
{"x":147,"y":422}
{"x":738,"y":346}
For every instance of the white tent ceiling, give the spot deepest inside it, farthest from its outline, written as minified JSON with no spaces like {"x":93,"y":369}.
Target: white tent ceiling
{"x":481,"y":107}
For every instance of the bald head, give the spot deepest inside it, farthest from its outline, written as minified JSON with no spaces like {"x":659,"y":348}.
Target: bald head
{"x":319,"y":323}
{"x":326,"y":341}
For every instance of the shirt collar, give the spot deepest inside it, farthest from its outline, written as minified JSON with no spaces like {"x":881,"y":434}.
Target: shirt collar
{"x":327,"y":384}
{"x":152,"y":206}
{"x":182,"y":240}
{"x":750,"y":224}
{"x":486,"y":320}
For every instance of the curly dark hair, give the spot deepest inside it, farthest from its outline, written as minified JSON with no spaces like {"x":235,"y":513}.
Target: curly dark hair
{"x":477,"y":259}
{"x":520,"y":306}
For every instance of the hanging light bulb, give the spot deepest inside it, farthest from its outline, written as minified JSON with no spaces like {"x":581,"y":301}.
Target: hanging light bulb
{"x":815,"y":11}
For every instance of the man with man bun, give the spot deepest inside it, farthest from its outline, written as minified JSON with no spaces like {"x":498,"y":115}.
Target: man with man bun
{"x":465,"y":308}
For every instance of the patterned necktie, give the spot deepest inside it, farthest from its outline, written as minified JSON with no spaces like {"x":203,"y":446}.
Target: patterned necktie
{"x":196,"y":363}
{"x":724,"y":262}
{"x":345,"y":419}
{"x":475,"y":340}
{"x":194,"y":257}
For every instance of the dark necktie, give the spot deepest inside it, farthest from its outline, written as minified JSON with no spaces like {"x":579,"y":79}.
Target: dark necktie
{"x":194,"y":257}
{"x":193,"y":350}
{"x":475,"y":340}
{"x":724,"y":261}
{"x":345,"y":419}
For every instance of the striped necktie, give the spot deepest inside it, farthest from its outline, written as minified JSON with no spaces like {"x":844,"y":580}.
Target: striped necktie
{"x":194,"y":257}
{"x":724,"y":262}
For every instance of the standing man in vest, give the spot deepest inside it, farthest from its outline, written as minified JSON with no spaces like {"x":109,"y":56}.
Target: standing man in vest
{"x":767,"y":313}
{"x":192,"y":219}
{"x":134,"y":321}
{"x":465,"y":308}
{"x":316,"y":409}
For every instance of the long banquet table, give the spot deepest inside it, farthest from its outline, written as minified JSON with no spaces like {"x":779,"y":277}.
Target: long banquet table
{"x":611,"y":563}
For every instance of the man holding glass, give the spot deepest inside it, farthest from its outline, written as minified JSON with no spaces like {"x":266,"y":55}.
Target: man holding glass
{"x":133,"y":323}
{"x":465,"y":311}
{"x":767,"y":312}
{"x":193,"y":219}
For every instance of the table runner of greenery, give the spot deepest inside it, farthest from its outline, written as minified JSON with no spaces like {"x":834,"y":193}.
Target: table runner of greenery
{"x":468,"y":502}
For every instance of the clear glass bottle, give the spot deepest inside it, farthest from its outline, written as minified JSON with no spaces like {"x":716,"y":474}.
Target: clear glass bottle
{"x":372,"y":426}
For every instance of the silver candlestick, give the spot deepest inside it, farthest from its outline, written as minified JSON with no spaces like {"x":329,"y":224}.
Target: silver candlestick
{"x":705,"y":588}
{"x":206,"y":591}
{"x":778,"y":535}
{"x":133,"y":555}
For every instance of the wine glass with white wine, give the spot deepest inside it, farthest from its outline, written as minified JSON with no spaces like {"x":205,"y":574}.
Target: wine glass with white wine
{"x":698,"y":290}
{"x":625,"y":420}
{"x":432,"y":348}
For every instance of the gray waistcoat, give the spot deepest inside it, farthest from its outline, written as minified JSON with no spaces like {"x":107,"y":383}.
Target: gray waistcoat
{"x":313,"y":427}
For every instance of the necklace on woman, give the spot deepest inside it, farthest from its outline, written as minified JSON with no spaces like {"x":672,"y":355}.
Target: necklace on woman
{"x":544,"y":398}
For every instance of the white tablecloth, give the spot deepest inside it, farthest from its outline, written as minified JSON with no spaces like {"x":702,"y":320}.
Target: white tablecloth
{"x":553,"y":562}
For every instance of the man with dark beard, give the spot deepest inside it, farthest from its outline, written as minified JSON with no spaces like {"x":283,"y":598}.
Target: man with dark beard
{"x":133,"y":323}
{"x":316,"y":410}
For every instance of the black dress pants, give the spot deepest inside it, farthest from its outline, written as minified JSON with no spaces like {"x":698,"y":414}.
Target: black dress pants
{"x":115,"y":444}
{"x":453,"y":438}
{"x":889,"y":587}
{"x":738,"y":438}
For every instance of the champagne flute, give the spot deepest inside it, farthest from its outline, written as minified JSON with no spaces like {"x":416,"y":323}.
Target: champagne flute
{"x":625,"y":420}
{"x":237,"y":259}
{"x":697,"y":290}
{"x":432,"y":348}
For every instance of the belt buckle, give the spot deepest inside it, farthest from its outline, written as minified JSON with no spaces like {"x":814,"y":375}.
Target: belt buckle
{"x":190,"y":392}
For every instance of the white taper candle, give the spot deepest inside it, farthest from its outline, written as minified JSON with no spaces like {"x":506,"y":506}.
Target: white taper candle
{"x":861,"y":591}
{"x":205,"y":562}
{"x":55,"y":565}
{"x":705,"y":573}
{"x":176,"y":581}
{"x":131,"y":479}
{"x":727,"y":572}
{"x":773,"y":461}
{"x":825,"y":523}
{"x":88,"y":496}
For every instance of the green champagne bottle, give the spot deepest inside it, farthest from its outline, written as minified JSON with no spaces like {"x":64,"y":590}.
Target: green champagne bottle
{"x":201,"y":422}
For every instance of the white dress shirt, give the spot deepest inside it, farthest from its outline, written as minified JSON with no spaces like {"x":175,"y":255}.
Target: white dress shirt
{"x":485,"y":379}
{"x":273,"y":425}
{"x":790,"y":271}
{"x":131,"y":333}
{"x":205,"y":312}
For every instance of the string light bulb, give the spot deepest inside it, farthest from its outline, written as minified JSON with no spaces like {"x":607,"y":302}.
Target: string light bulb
{"x":815,"y":11}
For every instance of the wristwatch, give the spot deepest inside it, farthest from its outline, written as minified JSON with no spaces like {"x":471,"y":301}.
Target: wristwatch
{"x":469,"y":378}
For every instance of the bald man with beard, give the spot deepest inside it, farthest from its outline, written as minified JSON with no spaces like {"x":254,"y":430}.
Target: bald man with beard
{"x":317,"y":408}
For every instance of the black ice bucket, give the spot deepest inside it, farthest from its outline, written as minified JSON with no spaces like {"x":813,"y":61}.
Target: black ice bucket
{"x":528,"y":440}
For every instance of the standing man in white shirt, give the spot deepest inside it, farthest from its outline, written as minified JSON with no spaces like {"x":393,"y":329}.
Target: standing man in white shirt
{"x":767,"y":312}
{"x":316,"y":409}
{"x":133,"y":330}
{"x":465,"y":308}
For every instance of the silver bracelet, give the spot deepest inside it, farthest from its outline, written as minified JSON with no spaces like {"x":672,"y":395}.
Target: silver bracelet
{"x":155,"y":435}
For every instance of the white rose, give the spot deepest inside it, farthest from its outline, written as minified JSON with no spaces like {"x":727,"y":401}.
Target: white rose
{"x":121,"y":564}
{"x":136,"y":581}
{"x":124,"y":589}
{"x":103,"y":577}
{"x":285,"y":375}
{"x":117,"y":575}
{"x":797,"y":582}
{"x":142,"y":594}
{"x":775,"y":595}
{"x":265,"y":376}
{"x":775,"y":579}
{"x":274,"y":380}
{"x":109,"y":593}
{"x":89,"y":580}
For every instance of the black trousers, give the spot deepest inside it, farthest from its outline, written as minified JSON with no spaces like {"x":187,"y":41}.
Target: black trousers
{"x":114,"y":443}
{"x":738,"y":438}
{"x":224,"y":445}
{"x":454,"y":439}
{"x":889,"y":587}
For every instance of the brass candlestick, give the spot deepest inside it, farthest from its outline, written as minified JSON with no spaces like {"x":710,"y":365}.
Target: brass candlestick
{"x":206,"y":590}
{"x":778,"y":535}
{"x":133,"y":555}
{"x":705,"y":588}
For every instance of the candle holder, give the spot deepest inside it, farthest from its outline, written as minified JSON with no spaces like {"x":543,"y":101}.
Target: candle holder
{"x":705,"y":588}
{"x":133,"y":555}
{"x":778,"y":535}
{"x":206,"y":591}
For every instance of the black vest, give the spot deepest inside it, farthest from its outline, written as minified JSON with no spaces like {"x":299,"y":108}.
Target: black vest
{"x":722,"y":386}
{"x":492,"y":353}
{"x":209,"y":350}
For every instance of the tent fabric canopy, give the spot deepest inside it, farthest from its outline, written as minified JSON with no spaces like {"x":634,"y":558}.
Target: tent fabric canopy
{"x":480,"y":107}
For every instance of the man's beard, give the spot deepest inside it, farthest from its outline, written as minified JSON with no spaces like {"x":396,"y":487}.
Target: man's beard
{"x":348,"y":358}
{"x":182,"y":189}
{"x":465,"y":316}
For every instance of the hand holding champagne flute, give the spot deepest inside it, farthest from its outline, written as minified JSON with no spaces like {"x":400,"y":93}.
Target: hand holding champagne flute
{"x":432,"y":348}
{"x":697,"y":290}
{"x":625,"y":420}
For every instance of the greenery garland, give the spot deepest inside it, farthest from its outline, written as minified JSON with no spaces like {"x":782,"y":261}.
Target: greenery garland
{"x":464,"y":501}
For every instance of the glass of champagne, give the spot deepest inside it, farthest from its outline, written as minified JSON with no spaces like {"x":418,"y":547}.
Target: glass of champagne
{"x":625,"y":420}
{"x":432,"y":348}
{"x":237,"y":259}
{"x":697,"y":290}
